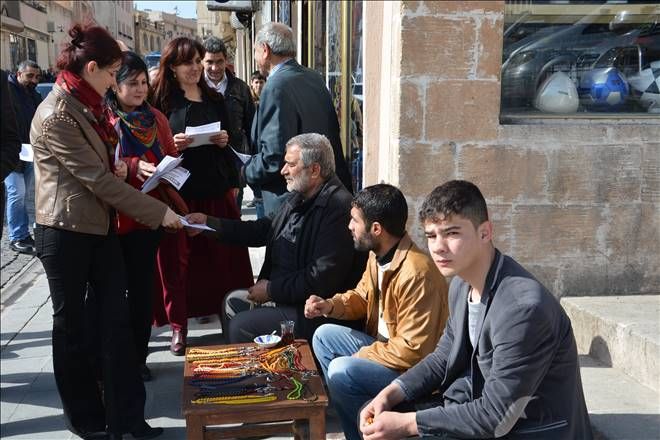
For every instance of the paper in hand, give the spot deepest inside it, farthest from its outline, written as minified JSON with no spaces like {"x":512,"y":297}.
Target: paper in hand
{"x":185,"y":223}
{"x":165,"y":166}
{"x":26,"y":154}
{"x":244,"y":158}
{"x":202,"y":134}
{"x":177,"y":177}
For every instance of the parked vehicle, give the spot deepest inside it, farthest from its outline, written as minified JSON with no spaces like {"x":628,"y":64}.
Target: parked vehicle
{"x":44,"y":89}
{"x":152,"y":59}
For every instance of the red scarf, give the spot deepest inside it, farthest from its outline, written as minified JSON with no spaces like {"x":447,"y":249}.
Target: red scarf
{"x":83,"y":92}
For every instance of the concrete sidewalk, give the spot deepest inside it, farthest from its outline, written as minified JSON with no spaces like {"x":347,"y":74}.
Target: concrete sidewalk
{"x":30,"y":406}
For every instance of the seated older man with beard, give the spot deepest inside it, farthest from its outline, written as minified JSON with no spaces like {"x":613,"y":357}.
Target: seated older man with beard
{"x":309,"y":249}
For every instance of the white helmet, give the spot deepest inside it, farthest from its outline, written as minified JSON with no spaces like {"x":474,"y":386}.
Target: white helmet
{"x":557,"y":94}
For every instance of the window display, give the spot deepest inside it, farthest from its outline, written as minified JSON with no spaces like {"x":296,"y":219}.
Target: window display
{"x":580,"y":59}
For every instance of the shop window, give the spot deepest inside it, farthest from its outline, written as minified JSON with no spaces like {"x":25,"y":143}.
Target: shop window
{"x":577,"y":59}
{"x":31,"y":50}
{"x":17,"y":50}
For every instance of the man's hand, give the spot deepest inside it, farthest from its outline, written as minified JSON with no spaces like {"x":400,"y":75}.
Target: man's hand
{"x":389,"y":397}
{"x":121,"y":169}
{"x":259,"y":292}
{"x":145,"y":170}
{"x":196,"y":218}
{"x":316,"y":306}
{"x":181,"y":141}
{"x":389,"y":425}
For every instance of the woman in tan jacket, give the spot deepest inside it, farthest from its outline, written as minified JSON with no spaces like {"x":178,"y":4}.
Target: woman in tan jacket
{"x":77,"y":197}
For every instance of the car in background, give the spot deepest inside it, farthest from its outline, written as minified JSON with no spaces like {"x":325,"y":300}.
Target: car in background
{"x":152,"y":59}
{"x":44,"y":89}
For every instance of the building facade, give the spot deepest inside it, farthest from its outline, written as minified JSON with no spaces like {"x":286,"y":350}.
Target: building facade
{"x":217,"y":24}
{"x":149,"y":35}
{"x":574,"y":199}
{"x":33,"y":42}
{"x":173,"y":26}
{"x":117,"y":17}
{"x":125,"y":23}
{"x":60,"y":18}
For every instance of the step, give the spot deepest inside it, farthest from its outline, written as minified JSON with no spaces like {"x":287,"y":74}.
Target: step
{"x":620,"y":408}
{"x":621,"y":332}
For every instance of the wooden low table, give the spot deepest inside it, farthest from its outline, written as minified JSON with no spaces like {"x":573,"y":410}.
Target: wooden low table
{"x":256,"y":415}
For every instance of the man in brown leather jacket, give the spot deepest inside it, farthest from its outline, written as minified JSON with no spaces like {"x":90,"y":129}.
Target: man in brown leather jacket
{"x":402,"y":295}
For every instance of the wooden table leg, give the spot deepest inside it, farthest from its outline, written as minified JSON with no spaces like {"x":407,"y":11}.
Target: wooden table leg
{"x":194,"y":428}
{"x":317,"y":426}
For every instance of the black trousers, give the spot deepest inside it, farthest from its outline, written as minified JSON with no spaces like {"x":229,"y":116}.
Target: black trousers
{"x":72,"y":260}
{"x":139,"y":250}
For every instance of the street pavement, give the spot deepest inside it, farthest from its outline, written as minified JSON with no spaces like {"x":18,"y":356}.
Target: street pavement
{"x":30,"y":407}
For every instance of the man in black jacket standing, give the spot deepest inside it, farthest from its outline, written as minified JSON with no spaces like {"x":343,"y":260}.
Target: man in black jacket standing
{"x":236,"y":92}
{"x":295,"y":100}
{"x":9,"y":141}
{"x":238,"y":99}
{"x":309,"y":249}
{"x":25,"y":100}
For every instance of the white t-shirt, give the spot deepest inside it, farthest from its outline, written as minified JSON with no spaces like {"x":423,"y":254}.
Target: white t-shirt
{"x":383,"y":332}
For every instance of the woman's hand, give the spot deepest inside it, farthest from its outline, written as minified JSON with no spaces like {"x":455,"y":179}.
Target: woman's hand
{"x":121,"y":170}
{"x":145,"y":170}
{"x":171,"y":220}
{"x":221,"y":139}
{"x":181,"y":141}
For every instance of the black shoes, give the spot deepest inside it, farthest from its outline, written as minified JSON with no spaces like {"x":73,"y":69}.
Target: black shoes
{"x":23,"y":246}
{"x":145,"y":432}
{"x":145,"y":373}
{"x":96,"y":435}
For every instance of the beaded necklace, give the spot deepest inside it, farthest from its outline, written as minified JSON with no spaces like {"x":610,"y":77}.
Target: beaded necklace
{"x":235,"y":400}
{"x":215,"y":371}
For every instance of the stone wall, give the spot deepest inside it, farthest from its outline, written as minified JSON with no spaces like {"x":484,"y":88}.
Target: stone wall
{"x":576,"y":202}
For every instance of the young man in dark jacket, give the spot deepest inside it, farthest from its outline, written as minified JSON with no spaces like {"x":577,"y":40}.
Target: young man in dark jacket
{"x":506,"y":364}
{"x":309,"y":249}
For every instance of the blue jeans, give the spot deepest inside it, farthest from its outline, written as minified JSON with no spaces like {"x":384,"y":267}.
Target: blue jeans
{"x":351,"y":381}
{"x":17,"y":184}
{"x":259,"y":203}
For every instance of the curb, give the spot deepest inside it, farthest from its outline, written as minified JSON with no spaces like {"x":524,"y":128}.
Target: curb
{"x":20,"y":283}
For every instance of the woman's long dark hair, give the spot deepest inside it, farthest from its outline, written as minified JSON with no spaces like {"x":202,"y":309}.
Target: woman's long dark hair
{"x":131,"y":65}
{"x":178,"y":51}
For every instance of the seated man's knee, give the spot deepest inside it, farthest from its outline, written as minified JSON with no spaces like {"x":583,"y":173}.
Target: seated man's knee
{"x":340,"y":370}
{"x":240,"y":329}
{"x":322,"y":333}
{"x":235,"y":302}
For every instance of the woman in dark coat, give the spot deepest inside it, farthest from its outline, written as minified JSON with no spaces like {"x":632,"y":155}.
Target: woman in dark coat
{"x":196,"y":273}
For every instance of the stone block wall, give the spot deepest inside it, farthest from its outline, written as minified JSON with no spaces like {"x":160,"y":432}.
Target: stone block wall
{"x":577,"y":202}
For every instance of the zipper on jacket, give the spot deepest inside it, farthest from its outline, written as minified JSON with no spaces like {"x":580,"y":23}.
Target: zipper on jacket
{"x":68,"y":201}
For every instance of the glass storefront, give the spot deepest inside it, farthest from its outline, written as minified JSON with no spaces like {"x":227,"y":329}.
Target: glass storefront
{"x":577,"y":59}
{"x":330,"y":33}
